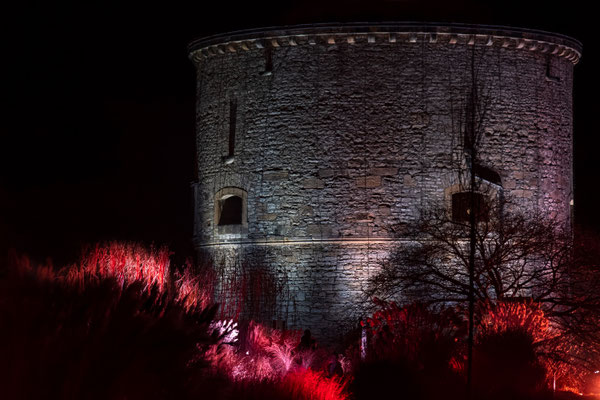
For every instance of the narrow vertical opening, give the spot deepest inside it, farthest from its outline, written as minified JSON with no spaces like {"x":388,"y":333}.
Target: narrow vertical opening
{"x":232,"y":126}
{"x":470,"y":129}
{"x":268,"y":61}
{"x":551,"y":70}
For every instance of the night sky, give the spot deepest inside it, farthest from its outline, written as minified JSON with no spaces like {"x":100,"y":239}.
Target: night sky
{"x":98,"y":125}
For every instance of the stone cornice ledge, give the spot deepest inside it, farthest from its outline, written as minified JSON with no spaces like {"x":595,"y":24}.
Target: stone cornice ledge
{"x":392,"y":32}
{"x":301,"y":241}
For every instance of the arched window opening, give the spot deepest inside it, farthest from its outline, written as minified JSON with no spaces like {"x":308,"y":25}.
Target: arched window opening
{"x":487,"y":174}
{"x":231,"y":211}
{"x":461,"y":207}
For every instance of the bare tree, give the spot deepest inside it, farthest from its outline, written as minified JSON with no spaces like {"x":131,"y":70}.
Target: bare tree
{"x":467,"y":124}
{"x":489,"y":251}
{"x":515,"y":256}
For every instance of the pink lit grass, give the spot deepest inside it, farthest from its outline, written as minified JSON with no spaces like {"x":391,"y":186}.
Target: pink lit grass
{"x":128,"y":263}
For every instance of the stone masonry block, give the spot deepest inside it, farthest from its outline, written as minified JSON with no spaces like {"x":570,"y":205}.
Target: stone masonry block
{"x":313,"y":183}
{"x":385,"y":171}
{"x":267,"y":217}
{"x":275,"y":175}
{"x":368,"y":181}
{"x":326,"y":173}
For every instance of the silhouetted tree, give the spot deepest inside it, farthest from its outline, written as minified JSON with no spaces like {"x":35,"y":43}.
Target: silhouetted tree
{"x":516,"y":257}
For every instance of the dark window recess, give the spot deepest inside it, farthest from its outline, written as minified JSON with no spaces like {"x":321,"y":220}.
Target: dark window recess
{"x":468,"y":137}
{"x":470,"y":130}
{"x":552,"y":73}
{"x":461,"y":207}
{"x":231,"y":211}
{"x":232,"y":123}
{"x":268,"y":61}
{"x":487,"y":174}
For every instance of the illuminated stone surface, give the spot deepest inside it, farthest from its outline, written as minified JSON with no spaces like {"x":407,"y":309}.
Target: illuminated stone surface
{"x":343,"y":132}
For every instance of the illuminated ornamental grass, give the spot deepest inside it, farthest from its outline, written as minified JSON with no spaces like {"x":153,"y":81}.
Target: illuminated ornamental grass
{"x":120,"y":323}
{"x":337,"y":163}
{"x":380,"y":211}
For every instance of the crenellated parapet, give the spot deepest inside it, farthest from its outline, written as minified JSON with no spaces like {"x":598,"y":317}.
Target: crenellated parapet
{"x":453,"y":34}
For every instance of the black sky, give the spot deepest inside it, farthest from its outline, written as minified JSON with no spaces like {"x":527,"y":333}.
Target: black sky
{"x":98,"y":129}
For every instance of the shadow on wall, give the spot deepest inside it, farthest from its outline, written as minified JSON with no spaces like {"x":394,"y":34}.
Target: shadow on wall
{"x":320,"y":288}
{"x":247,"y":286}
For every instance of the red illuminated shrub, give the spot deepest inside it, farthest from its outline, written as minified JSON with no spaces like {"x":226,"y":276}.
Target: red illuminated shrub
{"x":267,"y":365}
{"x":562,"y":350}
{"x":308,"y":384}
{"x":297,"y":385}
{"x":506,"y":366}
{"x":121,"y":324}
{"x":409,"y":348}
{"x":129,"y":263}
{"x":265,"y":354}
{"x":512,"y":339}
{"x":194,"y":290}
{"x":510,"y":315}
{"x":413,"y":333}
{"x":281,"y":350}
{"x":104,"y":341}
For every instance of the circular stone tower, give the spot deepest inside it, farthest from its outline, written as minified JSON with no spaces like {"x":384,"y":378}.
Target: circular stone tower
{"x":316,"y":142}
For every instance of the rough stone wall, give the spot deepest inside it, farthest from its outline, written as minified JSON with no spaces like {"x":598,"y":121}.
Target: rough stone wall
{"x":348,"y":136}
{"x":323,"y":283}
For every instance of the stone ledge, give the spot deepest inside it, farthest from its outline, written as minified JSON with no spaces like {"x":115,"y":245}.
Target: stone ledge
{"x":292,"y":241}
{"x":389,"y":33}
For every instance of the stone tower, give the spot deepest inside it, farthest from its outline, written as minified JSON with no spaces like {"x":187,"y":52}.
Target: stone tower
{"x":316,"y":142}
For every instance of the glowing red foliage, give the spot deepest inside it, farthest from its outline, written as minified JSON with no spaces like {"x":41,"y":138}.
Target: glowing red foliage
{"x":128,"y":263}
{"x":409,"y":331}
{"x":525,"y":316}
{"x":77,"y":339}
{"x":194,"y":290}
{"x":552,"y":349}
{"x":308,"y":384}
{"x":267,"y":359}
{"x":265,"y":354}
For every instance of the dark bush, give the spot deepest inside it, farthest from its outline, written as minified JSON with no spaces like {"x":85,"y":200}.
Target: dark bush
{"x":386,"y":379}
{"x":103,"y":342}
{"x":410,"y":354}
{"x":505,"y":366}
